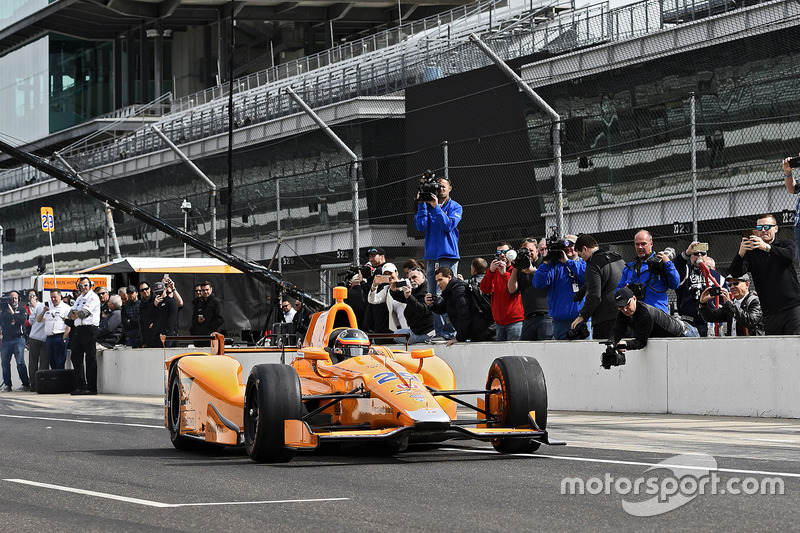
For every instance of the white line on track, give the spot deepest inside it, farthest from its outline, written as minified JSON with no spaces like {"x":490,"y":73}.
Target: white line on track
{"x":151,"y":503}
{"x":632,"y":463}
{"x":82,"y":421}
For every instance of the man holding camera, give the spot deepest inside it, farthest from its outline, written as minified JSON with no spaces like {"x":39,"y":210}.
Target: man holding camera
{"x":562,"y":273}
{"x":603,"y":272}
{"x":506,"y":306}
{"x":645,"y":320}
{"x":438,"y":216}
{"x":12,"y":323}
{"x":651,"y":274}
{"x":455,"y":302}
{"x":376,"y":317}
{"x":693,"y":283}
{"x":771,"y":264}
{"x":537,"y":325}
{"x":417,"y":315}
{"x":793,"y":186}
{"x":741,"y":309}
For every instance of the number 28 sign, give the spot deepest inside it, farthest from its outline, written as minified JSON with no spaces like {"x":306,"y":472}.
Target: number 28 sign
{"x":48,"y":224}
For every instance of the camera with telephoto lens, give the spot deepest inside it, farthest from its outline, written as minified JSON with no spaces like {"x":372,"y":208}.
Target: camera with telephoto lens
{"x":580,"y":332}
{"x":521,"y":258}
{"x":428,"y":187}
{"x":655,"y":265}
{"x":611,"y":357}
{"x":354,"y":269}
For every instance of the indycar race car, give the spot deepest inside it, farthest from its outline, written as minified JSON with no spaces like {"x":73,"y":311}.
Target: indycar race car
{"x":340,"y":388}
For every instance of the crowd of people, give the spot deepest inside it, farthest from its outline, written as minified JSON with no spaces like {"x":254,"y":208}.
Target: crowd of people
{"x":573,"y":288}
{"x":562,"y":289}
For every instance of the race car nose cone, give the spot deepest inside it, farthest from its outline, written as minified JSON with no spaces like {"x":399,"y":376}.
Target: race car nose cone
{"x":430,"y":416}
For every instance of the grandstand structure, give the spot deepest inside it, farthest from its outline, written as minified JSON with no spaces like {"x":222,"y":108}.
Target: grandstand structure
{"x":407,"y":91}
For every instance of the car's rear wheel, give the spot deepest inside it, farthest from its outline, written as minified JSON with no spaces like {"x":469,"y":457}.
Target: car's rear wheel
{"x":522,"y":389}
{"x":272,"y":396}
{"x":174,"y":400}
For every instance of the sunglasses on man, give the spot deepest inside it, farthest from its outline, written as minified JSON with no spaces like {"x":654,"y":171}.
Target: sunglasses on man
{"x":765,"y":227}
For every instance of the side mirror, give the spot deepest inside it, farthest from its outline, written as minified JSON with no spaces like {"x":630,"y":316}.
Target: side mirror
{"x":422,"y":354}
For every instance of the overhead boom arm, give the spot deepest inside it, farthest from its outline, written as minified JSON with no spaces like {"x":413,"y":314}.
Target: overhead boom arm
{"x":250,"y":268}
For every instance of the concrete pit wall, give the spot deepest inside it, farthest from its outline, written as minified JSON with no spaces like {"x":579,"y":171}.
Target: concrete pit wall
{"x":717,"y":376}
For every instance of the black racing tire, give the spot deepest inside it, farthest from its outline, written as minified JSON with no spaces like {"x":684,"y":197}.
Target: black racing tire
{"x":523,"y":389}
{"x":56,"y":381}
{"x":272,"y":396}
{"x":174,"y":396}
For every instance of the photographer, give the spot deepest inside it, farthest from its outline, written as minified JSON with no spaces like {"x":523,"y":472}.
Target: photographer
{"x":12,"y":323}
{"x":562,"y":273}
{"x":651,"y":274}
{"x":459,"y":308}
{"x":646,"y":321}
{"x":770,"y":262}
{"x":741,"y":309}
{"x":537,"y":325}
{"x":793,"y":186}
{"x":692,"y":284}
{"x":438,"y":216}
{"x":506,"y":307}
{"x":603,"y":272}
{"x":418,"y":316}
{"x":376,"y":317}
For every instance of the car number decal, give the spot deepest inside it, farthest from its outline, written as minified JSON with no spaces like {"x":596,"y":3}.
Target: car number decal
{"x":386,"y":377}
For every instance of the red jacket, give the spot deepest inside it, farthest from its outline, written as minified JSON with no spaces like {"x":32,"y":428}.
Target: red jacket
{"x":506,"y":308}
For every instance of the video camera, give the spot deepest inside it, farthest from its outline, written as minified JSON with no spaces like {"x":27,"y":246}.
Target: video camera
{"x":5,"y":301}
{"x":555,"y":247}
{"x":428,"y":187}
{"x":611,"y":357}
{"x":655,"y":265}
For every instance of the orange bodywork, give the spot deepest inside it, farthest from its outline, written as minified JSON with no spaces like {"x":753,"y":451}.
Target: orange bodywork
{"x":213,"y":387}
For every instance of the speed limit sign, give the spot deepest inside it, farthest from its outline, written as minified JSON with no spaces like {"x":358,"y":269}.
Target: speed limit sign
{"x":48,"y":224}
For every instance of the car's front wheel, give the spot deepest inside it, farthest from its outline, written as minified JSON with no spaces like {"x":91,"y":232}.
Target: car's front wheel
{"x":522,"y":387}
{"x":272,"y":396}
{"x":174,"y":400}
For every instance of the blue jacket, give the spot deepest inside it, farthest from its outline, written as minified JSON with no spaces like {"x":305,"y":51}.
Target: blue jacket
{"x":440,"y":225}
{"x":655,"y":292}
{"x":555,"y":275}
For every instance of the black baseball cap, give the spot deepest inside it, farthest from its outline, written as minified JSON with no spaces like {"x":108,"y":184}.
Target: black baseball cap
{"x":623,"y":296}
{"x":158,"y":287}
{"x":375,"y":250}
{"x":131,"y":288}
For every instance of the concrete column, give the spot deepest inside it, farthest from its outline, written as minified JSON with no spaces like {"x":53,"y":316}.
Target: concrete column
{"x":144,"y":63}
{"x":158,"y":61}
{"x":118,"y":72}
{"x":130,"y":68}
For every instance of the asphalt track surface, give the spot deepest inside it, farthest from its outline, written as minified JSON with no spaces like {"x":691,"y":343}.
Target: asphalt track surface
{"x":104,"y":463}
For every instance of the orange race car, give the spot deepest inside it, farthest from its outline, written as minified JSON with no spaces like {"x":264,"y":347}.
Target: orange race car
{"x":340,"y":388}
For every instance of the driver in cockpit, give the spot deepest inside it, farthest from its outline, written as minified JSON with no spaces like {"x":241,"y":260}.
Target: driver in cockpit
{"x":346,"y":343}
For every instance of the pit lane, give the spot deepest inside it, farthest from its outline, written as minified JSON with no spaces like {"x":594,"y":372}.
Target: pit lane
{"x":104,"y":463}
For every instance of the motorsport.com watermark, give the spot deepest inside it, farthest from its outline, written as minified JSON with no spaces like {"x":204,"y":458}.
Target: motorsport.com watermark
{"x":692,"y":476}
